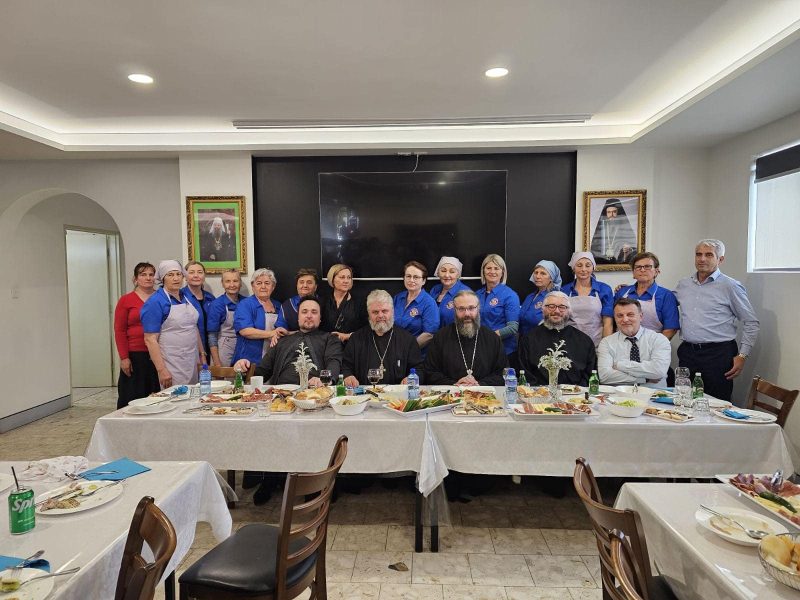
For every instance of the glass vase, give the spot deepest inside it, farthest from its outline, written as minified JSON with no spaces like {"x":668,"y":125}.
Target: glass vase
{"x":552,"y":387}
{"x":303,"y":375}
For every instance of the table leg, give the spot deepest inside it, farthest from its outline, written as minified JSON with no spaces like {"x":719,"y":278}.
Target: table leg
{"x":418,"y":522}
{"x":232,"y":483}
{"x":434,"y":526}
{"x":169,"y":587}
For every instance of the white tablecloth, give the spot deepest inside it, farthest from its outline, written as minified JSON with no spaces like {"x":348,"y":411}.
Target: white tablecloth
{"x":696,"y":562}
{"x":94,"y":540}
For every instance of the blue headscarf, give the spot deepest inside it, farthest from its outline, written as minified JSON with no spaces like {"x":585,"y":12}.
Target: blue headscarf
{"x":552,"y":269}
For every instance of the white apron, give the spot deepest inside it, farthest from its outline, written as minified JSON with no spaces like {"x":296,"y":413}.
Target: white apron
{"x":226,"y":342}
{"x":586,"y":316}
{"x":178,"y":342}
{"x":650,"y":318}
{"x":269,"y":325}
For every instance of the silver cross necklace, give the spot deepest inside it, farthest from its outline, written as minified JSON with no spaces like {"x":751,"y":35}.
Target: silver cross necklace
{"x":385,"y":352}
{"x":464,"y":358}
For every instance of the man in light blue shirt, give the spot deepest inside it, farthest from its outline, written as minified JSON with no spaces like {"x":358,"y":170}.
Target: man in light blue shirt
{"x":711,"y":303}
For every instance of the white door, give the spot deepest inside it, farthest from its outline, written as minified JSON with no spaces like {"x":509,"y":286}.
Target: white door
{"x":91,"y":270}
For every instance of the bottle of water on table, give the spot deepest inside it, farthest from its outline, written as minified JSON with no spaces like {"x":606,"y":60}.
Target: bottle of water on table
{"x":413,"y":385}
{"x":511,"y":387}
{"x":205,"y":381}
{"x":701,"y":409}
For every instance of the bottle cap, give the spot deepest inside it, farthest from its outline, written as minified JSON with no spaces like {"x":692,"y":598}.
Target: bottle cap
{"x":511,"y":372}
{"x":697,"y":374}
{"x":413,"y":371}
{"x":205,"y":367}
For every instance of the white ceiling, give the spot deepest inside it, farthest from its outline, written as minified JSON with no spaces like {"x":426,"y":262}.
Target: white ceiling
{"x":662,"y":69}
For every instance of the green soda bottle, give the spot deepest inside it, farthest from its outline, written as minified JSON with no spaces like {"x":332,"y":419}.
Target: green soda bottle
{"x":341,"y":390}
{"x":594,"y":384}
{"x":521,"y":380}
{"x":697,"y":387}
{"x":238,"y":383}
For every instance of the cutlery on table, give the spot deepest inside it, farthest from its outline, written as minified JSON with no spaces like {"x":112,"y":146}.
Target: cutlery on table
{"x":17,"y":568}
{"x":48,"y":575}
{"x":78,"y":492}
{"x":756,"y":534}
{"x":78,"y":476}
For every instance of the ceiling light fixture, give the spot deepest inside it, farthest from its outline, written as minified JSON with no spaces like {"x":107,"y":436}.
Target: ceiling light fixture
{"x":140,"y":78}
{"x":442,"y":122}
{"x":496,"y":72}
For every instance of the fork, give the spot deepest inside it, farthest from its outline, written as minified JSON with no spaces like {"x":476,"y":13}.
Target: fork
{"x":78,"y":493}
{"x":48,"y":575}
{"x":79,"y":476}
{"x":15,"y":570}
{"x":756,"y":534}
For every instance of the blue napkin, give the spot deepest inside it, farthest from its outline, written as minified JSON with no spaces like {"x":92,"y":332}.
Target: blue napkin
{"x":8,"y":562}
{"x":124,"y":468}
{"x":180,"y":390}
{"x":663,"y":400}
{"x":734,"y":414}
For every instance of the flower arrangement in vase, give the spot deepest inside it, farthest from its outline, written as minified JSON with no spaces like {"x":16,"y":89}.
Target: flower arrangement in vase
{"x":303,"y":365}
{"x":555,"y":361}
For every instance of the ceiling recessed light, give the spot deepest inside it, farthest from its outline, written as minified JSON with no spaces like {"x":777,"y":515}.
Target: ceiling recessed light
{"x":496,"y":72}
{"x":140,"y":78}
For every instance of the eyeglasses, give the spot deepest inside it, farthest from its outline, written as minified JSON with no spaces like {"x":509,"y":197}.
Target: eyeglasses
{"x":643,"y":267}
{"x":466,"y":309}
{"x":413,"y":277}
{"x":556,"y":307}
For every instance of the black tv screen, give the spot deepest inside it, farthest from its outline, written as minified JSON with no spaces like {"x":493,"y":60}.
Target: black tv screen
{"x":377,"y":222}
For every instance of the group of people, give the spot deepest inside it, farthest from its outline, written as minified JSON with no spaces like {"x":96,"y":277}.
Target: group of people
{"x":450,"y":335}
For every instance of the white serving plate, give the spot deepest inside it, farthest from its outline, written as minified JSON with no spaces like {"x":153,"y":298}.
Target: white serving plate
{"x":726,"y":477}
{"x":422,"y":411}
{"x":38,"y":590}
{"x":758,"y":417}
{"x":208,"y":411}
{"x":484,"y":389}
{"x":152,"y":410}
{"x":748,"y":518}
{"x":500,"y":412}
{"x":111,"y":491}
{"x":523,"y":416}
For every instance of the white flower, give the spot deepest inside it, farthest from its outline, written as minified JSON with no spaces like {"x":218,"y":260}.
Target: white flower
{"x":556,"y":358}
{"x":303,"y":363}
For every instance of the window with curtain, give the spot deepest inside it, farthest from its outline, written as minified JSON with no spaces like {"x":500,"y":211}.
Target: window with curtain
{"x":774,"y":243}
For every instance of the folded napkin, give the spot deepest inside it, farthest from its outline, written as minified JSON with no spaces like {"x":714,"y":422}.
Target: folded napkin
{"x":53,"y":469}
{"x":663,"y":400}
{"x":124,"y":467}
{"x":733,"y":414}
{"x":9,"y":562}
{"x":180,"y":390}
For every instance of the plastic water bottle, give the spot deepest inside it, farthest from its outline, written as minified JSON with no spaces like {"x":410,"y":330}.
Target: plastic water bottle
{"x":413,"y":385}
{"x":701,"y":409}
{"x":511,"y":387}
{"x":205,"y":381}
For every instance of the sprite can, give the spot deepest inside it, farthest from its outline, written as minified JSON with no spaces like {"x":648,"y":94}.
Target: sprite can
{"x":21,"y":511}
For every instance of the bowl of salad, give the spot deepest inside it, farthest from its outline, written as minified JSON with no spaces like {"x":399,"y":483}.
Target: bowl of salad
{"x":621,"y":406}
{"x":349,"y":405}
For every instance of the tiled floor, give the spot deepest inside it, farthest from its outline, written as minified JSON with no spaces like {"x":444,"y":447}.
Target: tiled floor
{"x":512,"y":543}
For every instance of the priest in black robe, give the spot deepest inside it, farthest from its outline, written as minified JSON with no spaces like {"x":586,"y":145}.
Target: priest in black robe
{"x":554,"y":328}
{"x":465,"y":352}
{"x":380,"y":345}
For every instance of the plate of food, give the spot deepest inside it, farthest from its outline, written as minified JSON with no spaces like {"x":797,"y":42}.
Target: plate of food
{"x":780,"y":557}
{"x":143,"y":411}
{"x":630,"y":408}
{"x":426,"y":404}
{"x":282,"y":406}
{"x":217,"y":410}
{"x":35,"y":590}
{"x":744,"y":415}
{"x":528,"y":392}
{"x":567,"y":389}
{"x":77,"y":496}
{"x":313,"y":398}
{"x":781,"y":498}
{"x":667,"y":414}
{"x":556,"y":410}
{"x":729,"y":531}
{"x":468,"y":409}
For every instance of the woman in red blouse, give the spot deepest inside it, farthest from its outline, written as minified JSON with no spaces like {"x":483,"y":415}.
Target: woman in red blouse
{"x":138,"y":377}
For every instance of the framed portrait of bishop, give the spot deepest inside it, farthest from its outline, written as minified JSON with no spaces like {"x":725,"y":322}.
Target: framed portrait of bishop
{"x":216,"y":232}
{"x":614,"y":227}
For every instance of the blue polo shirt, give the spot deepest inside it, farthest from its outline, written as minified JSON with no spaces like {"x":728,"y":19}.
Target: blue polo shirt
{"x":498,"y":308}
{"x":202,"y":308}
{"x":287,"y":316}
{"x":447,"y":313}
{"x":530,"y":315}
{"x":599,"y":289}
{"x":666,"y":303}
{"x":218,"y":312}
{"x":421,"y":316}
{"x":156,"y":309}
{"x":249,"y":313}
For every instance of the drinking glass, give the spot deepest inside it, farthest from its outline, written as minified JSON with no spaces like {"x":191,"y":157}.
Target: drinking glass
{"x":682,"y":372}
{"x":194,"y":396}
{"x":326,"y":377}
{"x":683,"y":391}
{"x":374,"y":376}
{"x":262,"y":408}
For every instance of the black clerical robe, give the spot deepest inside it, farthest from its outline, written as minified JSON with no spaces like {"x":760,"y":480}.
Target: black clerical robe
{"x":445,"y":365}
{"x":402,"y":355}
{"x":325,"y":351}
{"x":579,"y":347}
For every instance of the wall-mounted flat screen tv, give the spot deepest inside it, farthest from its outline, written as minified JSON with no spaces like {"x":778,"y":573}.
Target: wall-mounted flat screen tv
{"x":377,"y":222}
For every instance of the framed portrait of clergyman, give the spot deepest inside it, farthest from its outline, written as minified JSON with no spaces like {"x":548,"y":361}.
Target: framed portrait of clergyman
{"x":613,"y":227}
{"x":217,"y":232}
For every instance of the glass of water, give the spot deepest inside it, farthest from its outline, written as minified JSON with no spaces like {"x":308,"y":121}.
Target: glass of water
{"x":683,"y":392}
{"x":194,"y":396}
{"x":262,"y":408}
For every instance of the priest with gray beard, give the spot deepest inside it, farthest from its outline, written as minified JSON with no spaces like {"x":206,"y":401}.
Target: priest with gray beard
{"x":465,"y":352}
{"x":554,"y":328}
{"x":380,"y":345}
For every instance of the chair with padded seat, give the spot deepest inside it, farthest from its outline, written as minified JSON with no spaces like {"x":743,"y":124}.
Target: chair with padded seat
{"x":139,"y":577}
{"x":267,"y":562}
{"x":604,"y":520}
{"x":784,"y":399}
{"x":624,"y":564}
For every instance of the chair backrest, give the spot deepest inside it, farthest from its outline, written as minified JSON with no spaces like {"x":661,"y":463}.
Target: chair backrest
{"x":606,"y":519}
{"x":624,"y":565}
{"x":784,"y":398}
{"x":230,"y":372}
{"x":304,"y":515}
{"x":138,"y":578}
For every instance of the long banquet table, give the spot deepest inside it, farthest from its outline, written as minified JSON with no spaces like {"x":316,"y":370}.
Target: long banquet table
{"x":696,"y":563}
{"x":94,"y":540}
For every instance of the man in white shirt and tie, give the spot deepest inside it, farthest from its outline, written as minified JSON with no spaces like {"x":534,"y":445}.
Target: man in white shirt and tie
{"x":633,"y":354}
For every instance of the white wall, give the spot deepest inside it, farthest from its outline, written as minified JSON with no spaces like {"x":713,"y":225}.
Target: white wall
{"x":774,"y":295}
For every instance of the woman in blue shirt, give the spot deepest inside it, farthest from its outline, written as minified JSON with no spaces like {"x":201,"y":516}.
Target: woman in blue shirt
{"x":255,"y":318}
{"x":200,"y":298}
{"x":414,"y":309}
{"x":221,"y":334}
{"x":591,"y":302}
{"x":499,"y":303}
{"x":547,"y":278}
{"x":449,"y":272}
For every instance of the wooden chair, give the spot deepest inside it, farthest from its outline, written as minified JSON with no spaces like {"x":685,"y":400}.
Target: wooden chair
{"x":138,"y":578}
{"x":264,"y":562}
{"x":606,"y":519}
{"x":624,"y":565}
{"x":230,"y":372}
{"x":784,"y":398}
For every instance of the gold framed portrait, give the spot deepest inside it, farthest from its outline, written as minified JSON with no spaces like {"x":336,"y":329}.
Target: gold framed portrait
{"x":217,"y":232}
{"x":614,"y":227}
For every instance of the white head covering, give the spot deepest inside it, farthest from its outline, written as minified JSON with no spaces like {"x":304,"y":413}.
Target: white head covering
{"x":214,"y":222}
{"x":576,"y":256}
{"x":449,"y":260}
{"x":165,"y":266}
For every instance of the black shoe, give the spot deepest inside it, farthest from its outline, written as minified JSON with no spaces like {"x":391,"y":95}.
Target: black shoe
{"x":252,"y":479}
{"x":263,"y":493}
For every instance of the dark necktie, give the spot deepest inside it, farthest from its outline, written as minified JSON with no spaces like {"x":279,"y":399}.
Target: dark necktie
{"x":634,"y":350}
